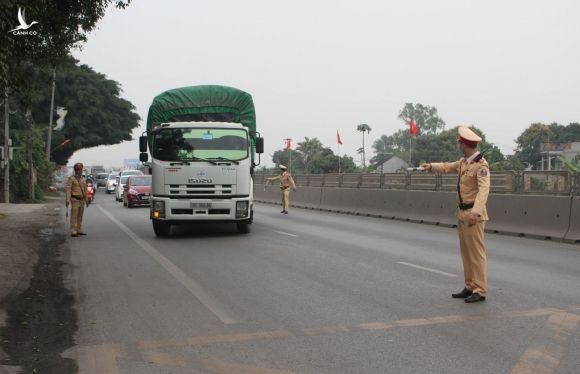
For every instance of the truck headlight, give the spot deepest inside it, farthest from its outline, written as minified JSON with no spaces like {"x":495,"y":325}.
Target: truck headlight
{"x":241,"y":209}
{"x":158,"y":209}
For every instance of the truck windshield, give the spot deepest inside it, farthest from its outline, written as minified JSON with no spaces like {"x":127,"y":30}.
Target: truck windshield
{"x":200,"y":143}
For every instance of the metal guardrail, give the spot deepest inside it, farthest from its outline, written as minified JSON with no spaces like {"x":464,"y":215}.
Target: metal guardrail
{"x":527,"y":182}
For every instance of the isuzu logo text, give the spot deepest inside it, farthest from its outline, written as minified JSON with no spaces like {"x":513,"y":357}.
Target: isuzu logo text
{"x":200,"y":180}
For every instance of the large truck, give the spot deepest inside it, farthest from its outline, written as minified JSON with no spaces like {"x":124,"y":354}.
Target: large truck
{"x":203,"y":144}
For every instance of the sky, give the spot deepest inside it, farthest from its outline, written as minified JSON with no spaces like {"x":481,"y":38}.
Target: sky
{"x":315,"y":67}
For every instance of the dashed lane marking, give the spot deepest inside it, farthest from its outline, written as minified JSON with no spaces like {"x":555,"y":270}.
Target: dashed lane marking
{"x":428,"y":269}
{"x":286,"y":233}
{"x":204,"y":297}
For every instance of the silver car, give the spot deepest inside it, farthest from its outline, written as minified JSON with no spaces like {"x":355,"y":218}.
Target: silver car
{"x":110,"y":187}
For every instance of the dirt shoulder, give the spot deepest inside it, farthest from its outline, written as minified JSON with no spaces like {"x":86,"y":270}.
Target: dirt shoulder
{"x":37,"y":318}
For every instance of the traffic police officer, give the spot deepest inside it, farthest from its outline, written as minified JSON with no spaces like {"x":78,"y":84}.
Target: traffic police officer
{"x":76,"y":196}
{"x":286,"y":181}
{"x":472,"y":191}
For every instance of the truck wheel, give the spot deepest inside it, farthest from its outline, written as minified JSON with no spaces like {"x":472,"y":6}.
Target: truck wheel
{"x":243,"y":227}
{"x":162,"y":229}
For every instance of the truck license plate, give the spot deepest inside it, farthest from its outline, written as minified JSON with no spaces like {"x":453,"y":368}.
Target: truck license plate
{"x":200,"y":205}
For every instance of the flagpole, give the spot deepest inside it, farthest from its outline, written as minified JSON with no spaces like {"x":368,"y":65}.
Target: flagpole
{"x":410,"y":149}
{"x":338,"y":152}
{"x":49,"y":136}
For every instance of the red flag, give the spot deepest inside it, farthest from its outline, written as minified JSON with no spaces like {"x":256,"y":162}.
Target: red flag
{"x":288,"y":143}
{"x":338,"y":138}
{"x":413,"y":130}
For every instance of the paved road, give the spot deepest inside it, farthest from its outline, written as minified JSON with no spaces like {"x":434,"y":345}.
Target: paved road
{"x":315,"y":292}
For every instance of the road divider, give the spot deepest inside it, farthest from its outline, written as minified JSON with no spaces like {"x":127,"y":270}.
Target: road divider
{"x":538,"y":216}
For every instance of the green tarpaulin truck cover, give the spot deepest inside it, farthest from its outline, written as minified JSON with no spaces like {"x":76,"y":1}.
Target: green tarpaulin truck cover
{"x":203,"y":103}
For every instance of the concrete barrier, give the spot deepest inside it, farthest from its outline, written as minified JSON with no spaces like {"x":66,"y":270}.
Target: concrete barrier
{"x":573,"y":234}
{"x":539,"y":216}
{"x":304,"y":197}
{"x":416,"y":206}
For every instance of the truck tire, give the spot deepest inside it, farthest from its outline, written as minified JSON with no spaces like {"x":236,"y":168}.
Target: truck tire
{"x":162,"y":229}
{"x":243,"y":227}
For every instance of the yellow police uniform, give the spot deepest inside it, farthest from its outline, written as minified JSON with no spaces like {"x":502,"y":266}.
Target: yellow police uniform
{"x":76,"y":195}
{"x":286,"y":182}
{"x":473,"y":190}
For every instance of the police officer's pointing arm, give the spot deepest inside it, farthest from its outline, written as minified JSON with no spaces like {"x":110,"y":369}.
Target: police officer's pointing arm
{"x":442,"y":167}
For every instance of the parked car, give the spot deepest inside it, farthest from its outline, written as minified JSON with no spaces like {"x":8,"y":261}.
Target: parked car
{"x":102,"y":179}
{"x":122,"y":179}
{"x":137,"y":190}
{"x":111,"y":184}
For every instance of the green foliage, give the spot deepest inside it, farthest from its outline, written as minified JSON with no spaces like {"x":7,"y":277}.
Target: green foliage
{"x":571,"y":165}
{"x":440,"y":147}
{"x":529,"y":143}
{"x":311,"y":157}
{"x":62,"y":25}
{"x":19,"y":168}
{"x":510,"y":162}
{"x":426,"y":118}
{"x":97,"y":115}
{"x":293,"y":162}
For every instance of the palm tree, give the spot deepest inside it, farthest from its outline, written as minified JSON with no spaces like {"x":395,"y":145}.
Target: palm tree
{"x":362,"y":128}
{"x":309,"y":149}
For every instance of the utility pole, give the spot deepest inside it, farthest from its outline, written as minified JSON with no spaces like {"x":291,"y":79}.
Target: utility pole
{"x":6,"y":149}
{"x":49,"y":138}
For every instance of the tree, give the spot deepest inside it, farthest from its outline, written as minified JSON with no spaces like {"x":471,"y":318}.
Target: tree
{"x":511,"y":162}
{"x":362,"y":128}
{"x":309,"y":149}
{"x":529,"y":143}
{"x":282,"y":157}
{"x":425,"y":117}
{"x":61,"y":26}
{"x":572,"y":165}
{"x":312,"y":157}
{"x":97,"y":115}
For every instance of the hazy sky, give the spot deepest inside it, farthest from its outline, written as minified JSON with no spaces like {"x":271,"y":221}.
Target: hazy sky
{"x":314,"y":67}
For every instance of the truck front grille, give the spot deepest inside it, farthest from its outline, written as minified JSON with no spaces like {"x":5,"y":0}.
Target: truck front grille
{"x":199,"y":211}
{"x":200,"y":189}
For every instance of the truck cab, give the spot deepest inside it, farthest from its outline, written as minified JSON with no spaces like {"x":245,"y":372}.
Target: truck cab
{"x":202,"y":141}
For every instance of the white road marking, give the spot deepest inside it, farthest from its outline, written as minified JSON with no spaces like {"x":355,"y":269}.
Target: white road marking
{"x":285,"y":233}
{"x":428,"y":269}
{"x":196,"y":290}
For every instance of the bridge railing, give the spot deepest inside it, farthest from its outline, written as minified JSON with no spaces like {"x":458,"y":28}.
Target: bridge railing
{"x":527,"y":182}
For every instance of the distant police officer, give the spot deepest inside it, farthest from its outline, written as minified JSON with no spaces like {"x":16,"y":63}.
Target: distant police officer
{"x":472,"y":191}
{"x":76,"y":196}
{"x":286,"y":182}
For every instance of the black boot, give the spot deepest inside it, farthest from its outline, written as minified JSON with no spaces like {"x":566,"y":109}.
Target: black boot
{"x":464,"y":293}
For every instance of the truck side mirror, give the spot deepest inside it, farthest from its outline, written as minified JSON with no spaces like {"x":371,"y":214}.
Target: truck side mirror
{"x":143,"y":157}
{"x":259,"y":145}
{"x":142,"y":144}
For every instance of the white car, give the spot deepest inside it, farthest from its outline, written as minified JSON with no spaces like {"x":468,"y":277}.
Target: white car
{"x":121,"y":179}
{"x":110,"y":187}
